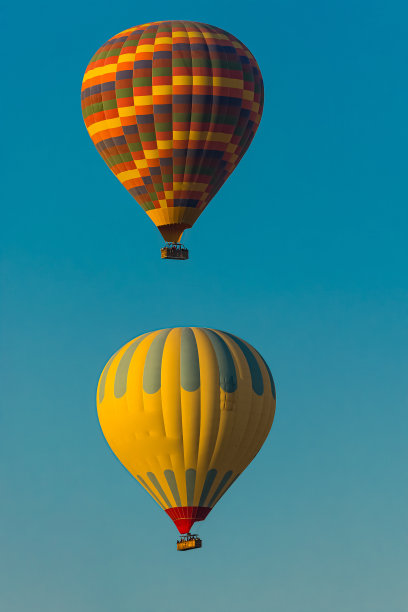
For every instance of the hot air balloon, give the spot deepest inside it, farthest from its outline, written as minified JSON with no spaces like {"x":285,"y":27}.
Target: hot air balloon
{"x":186,"y":410}
{"x":172,"y":107}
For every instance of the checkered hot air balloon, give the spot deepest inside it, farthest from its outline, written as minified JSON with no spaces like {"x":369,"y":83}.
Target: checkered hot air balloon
{"x":172,"y":107}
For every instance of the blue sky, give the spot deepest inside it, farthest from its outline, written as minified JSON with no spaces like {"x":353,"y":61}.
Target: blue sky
{"x":303,"y":253}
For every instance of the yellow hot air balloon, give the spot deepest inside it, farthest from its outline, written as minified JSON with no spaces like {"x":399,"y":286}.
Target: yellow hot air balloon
{"x":186,"y":410}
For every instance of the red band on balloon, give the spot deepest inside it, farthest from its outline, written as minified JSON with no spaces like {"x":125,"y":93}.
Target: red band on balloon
{"x":184,"y":517}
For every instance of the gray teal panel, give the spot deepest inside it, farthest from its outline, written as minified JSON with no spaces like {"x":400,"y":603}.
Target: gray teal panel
{"x":209,"y":479}
{"x":228,"y":375}
{"x":171,"y":481}
{"x":153,"y":363}
{"x":220,"y":487}
{"x":119,"y":388}
{"x":104,"y":376}
{"x":158,"y":487}
{"x":256,"y":374}
{"x":270,"y":377}
{"x":189,"y":363}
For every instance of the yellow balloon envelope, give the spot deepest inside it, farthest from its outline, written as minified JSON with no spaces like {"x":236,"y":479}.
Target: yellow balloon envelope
{"x":186,"y":410}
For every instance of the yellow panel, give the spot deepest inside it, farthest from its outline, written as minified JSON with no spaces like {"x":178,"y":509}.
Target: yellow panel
{"x":110,"y":428}
{"x":114,"y":418}
{"x":128,"y":174}
{"x":144,"y":48}
{"x":126,"y":111}
{"x":266,"y":416}
{"x":253,"y":429}
{"x":182,"y":79}
{"x":143,"y":100}
{"x":195,"y":34}
{"x":99,"y":71}
{"x":141,"y":163}
{"x":162,"y":90}
{"x":178,"y":186}
{"x":177,"y":135}
{"x":151,"y":448}
{"x":235,"y":420}
{"x":210,"y":408}
{"x":133,"y":431}
{"x":215,"y":36}
{"x":231,"y":148}
{"x":191,"y":414}
{"x":171,"y":407}
{"x":164,"y":144}
{"x":151,"y":153}
{"x":248,"y":95}
{"x":126,"y":57}
{"x":106,"y":124}
{"x":202,"y":80}
{"x":174,"y":214}
{"x":218,"y":137}
{"x":225,"y":82}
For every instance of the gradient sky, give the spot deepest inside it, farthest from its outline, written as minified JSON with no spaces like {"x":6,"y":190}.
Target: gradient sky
{"x":303,"y":253}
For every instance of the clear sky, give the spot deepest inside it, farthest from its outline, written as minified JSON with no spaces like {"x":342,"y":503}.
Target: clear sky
{"x":303,"y":253}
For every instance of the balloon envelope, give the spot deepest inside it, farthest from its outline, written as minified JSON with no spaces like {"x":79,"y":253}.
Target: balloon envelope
{"x":172,"y":107}
{"x":186,"y":410}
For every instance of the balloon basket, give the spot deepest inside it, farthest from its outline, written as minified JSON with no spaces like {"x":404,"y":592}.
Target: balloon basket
{"x":174,"y":250}
{"x":189,"y":542}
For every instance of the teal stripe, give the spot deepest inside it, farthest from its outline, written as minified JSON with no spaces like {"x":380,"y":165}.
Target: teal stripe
{"x":157,"y":484}
{"x":270,"y":376}
{"x":220,"y":487}
{"x":152,"y":493}
{"x":103,"y":378}
{"x":190,"y":485}
{"x":119,"y":388}
{"x":171,"y":481}
{"x":228,"y":376}
{"x":153,"y":363}
{"x":209,"y":479}
{"x":189,"y":363}
{"x":256,"y":374}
